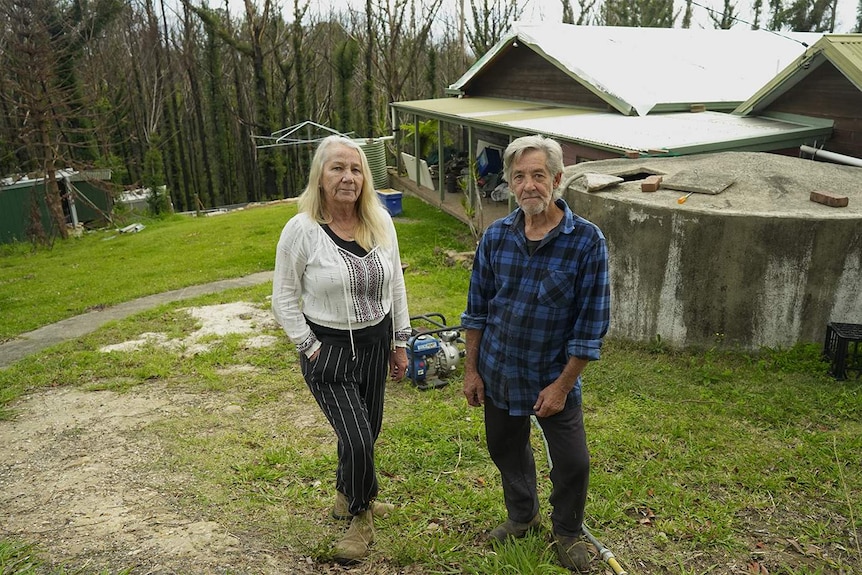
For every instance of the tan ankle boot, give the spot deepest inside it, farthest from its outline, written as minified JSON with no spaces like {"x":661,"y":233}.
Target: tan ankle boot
{"x":340,"y":511}
{"x":354,"y":545}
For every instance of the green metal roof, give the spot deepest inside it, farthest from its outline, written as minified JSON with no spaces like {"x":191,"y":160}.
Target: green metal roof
{"x":678,"y":133}
{"x":844,"y":51}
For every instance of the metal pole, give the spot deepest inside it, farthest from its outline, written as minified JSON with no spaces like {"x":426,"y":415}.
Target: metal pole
{"x":832,"y":156}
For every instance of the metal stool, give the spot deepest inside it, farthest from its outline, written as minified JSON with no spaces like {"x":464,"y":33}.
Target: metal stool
{"x":841,"y":347}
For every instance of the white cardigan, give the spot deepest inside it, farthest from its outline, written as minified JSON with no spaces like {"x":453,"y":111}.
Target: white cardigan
{"x":315,"y":278}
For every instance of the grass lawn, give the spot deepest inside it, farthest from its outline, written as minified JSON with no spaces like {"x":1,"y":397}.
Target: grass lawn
{"x":702,"y":461}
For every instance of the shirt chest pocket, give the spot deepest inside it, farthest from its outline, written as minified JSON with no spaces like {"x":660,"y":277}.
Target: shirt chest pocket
{"x":557,"y":288}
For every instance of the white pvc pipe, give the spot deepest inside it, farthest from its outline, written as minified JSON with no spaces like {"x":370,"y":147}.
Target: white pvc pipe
{"x":832,"y":156}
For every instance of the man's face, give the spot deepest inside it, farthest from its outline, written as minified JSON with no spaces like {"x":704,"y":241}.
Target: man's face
{"x":532,"y":182}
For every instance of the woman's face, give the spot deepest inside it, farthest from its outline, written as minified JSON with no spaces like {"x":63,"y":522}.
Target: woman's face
{"x":341,"y":179}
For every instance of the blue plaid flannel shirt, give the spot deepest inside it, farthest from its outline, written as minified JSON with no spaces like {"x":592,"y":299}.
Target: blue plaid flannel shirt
{"x":537,"y":311}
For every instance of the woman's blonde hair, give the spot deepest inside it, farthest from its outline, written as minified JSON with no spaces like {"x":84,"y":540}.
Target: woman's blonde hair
{"x":373,"y":228}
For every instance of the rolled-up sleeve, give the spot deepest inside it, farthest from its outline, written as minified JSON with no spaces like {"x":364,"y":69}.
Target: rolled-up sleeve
{"x":475,"y":315}
{"x":594,"y":303}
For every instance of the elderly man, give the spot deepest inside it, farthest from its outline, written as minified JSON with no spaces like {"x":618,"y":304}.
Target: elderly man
{"x":537,"y":310}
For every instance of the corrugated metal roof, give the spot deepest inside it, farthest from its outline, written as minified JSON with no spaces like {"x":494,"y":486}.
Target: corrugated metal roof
{"x":72,"y":175}
{"x":638,"y":70}
{"x":677,"y":133}
{"x":844,"y":51}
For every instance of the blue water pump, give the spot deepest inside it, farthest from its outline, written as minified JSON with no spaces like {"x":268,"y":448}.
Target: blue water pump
{"x":433,"y":352}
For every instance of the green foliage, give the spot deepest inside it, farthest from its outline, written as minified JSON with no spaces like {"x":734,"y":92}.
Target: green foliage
{"x":18,"y":558}
{"x":808,"y":16}
{"x":119,"y":172}
{"x":346,"y":59}
{"x":638,"y":13}
{"x":153,"y":179}
{"x":427,"y":137}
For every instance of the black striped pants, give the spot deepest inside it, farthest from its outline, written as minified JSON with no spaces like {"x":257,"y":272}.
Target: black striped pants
{"x":349,"y":391}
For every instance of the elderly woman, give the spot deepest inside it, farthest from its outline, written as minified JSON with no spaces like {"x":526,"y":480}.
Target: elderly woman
{"x":338,"y":292}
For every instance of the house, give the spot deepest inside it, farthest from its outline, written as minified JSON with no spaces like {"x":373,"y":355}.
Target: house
{"x":608,"y":92}
{"x":633,"y":71}
{"x":749,"y":260}
{"x":823,"y":82}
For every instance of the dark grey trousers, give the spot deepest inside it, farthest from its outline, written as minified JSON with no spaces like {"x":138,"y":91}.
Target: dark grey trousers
{"x":349,"y":391}
{"x":509,"y":446}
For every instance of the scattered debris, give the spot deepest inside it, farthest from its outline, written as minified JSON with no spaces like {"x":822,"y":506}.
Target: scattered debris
{"x":651,"y":184}
{"x":700,"y":182}
{"x":592,"y":182}
{"x":215,"y":320}
{"x":464,"y":259}
{"x":830,"y":199}
{"x":131,"y":229}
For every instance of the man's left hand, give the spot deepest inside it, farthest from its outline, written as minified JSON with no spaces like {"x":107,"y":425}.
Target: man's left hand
{"x":551,"y":400}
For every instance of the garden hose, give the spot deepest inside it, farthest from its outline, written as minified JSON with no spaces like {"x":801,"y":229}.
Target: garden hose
{"x":605,"y":553}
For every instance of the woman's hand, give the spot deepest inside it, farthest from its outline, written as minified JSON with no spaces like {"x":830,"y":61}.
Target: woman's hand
{"x":398,"y":363}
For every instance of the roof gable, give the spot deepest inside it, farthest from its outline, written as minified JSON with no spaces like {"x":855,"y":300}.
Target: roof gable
{"x":519,"y":71}
{"x":641,"y":70}
{"x":843,"y":51}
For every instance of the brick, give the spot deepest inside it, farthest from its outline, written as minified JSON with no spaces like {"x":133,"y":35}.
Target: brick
{"x":633,"y":154}
{"x":651,"y":184}
{"x":698,"y":108}
{"x":830,"y":199}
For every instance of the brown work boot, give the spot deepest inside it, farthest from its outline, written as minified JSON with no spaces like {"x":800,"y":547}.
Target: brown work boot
{"x":512,"y":529}
{"x":354,"y":545}
{"x":573,"y":553}
{"x":340,"y":509}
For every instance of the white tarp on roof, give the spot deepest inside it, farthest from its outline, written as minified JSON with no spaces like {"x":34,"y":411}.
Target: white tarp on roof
{"x":645,"y":67}
{"x":672,"y":131}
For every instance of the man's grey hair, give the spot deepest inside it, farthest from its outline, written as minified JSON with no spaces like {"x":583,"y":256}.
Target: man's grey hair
{"x":551,"y":148}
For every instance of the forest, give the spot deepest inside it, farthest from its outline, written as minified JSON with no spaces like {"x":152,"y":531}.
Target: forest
{"x":181,"y":96}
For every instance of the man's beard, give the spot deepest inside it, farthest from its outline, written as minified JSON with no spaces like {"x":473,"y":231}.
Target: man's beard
{"x":535,"y":207}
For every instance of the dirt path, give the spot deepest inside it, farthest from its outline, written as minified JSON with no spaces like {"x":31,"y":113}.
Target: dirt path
{"x":77,"y":480}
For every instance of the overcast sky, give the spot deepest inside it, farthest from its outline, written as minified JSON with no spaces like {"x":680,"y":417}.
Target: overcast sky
{"x":551,"y":10}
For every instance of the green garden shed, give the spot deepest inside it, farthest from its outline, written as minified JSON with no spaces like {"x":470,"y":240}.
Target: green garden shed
{"x":91,"y":202}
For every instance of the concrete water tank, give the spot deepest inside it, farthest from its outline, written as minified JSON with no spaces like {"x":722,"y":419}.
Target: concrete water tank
{"x":757,"y":264}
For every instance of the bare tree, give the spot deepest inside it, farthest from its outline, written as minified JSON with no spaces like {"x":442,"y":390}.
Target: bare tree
{"x":402,"y":34}
{"x":808,"y":16}
{"x":50,"y":120}
{"x":491,"y":20}
{"x":645,"y":13}
{"x":687,"y":15}
{"x":585,"y":8}
{"x":725,"y":19}
{"x":568,"y":12}
{"x":757,"y":11}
